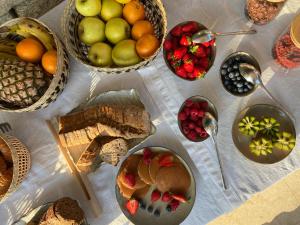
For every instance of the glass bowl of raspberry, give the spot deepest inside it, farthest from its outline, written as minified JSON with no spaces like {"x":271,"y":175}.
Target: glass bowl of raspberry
{"x":185,"y":59}
{"x":190,"y":117}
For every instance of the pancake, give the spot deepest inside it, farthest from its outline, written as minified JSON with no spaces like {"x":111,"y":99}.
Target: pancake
{"x":175,"y":179}
{"x":125,"y":192}
{"x":143,"y":171}
{"x":154,"y":167}
{"x":141,"y":193}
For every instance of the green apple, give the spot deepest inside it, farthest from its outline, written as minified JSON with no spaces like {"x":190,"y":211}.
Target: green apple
{"x":111,"y":9}
{"x":91,"y":30}
{"x":88,"y":7}
{"x":100,"y":54}
{"x":116,"y":30}
{"x":124,"y":53}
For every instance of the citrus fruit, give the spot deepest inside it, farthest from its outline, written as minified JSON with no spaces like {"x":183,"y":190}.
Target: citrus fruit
{"x":123,"y":1}
{"x":49,"y":61}
{"x":133,"y":11}
{"x":141,"y":28}
{"x":30,"y":50}
{"x":147,"y":45}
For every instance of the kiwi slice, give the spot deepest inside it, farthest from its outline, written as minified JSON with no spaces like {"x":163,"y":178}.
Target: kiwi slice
{"x":261,"y":146}
{"x":269,"y":126}
{"x":249,"y":126}
{"x":285,"y":141}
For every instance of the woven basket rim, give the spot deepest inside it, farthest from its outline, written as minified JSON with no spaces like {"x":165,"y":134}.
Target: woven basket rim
{"x":59,"y":50}
{"x":143,"y":63}
{"x":13,"y":185}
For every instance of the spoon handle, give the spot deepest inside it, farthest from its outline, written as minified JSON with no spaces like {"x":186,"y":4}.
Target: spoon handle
{"x":253,"y":31}
{"x":277,"y":102}
{"x":220,"y":162}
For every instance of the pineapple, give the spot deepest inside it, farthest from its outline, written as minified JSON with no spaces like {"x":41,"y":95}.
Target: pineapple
{"x":21,"y":83}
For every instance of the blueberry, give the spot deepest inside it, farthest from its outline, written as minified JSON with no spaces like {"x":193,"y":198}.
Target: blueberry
{"x":169,"y":208}
{"x":229,"y":87}
{"x":246,"y":89}
{"x":225,"y":66}
{"x":143,"y":205}
{"x":150,"y":209}
{"x":233,"y":79}
{"x":226,"y":82}
{"x":231,"y":75}
{"x":223,"y":72}
{"x":229,"y":69}
{"x":250,"y":86}
{"x":237,"y":59}
{"x":226,"y":78}
{"x":229,"y":61}
{"x":157,"y":213}
{"x":240,"y":90}
{"x":238,"y":78}
{"x":237,"y":74}
{"x":235,"y":82}
{"x":235,"y":66}
{"x":239,"y":85}
{"x":235,"y":90}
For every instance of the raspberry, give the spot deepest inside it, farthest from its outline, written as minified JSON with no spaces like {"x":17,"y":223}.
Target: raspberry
{"x":174,"y":204}
{"x":192,"y":135}
{"x":182,"y":116}
{"x":200,"y":113}
{"x":192,"y":125}
{"x":189,"y":103}
{"x":194,"y":112}
{"x":199,"y":130}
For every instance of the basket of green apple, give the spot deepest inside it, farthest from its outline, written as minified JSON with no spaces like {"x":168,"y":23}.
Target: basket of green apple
{"x":114,"y":36}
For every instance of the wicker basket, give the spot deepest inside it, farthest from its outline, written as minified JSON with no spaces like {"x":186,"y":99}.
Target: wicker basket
{"x":21,"y":163}
{"x":59,"y":78}
{"x":155,"y":13}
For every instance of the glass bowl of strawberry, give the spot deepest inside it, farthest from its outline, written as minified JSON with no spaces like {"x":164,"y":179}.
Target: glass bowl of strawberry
{"x":185,"y":59}
{"x":190,"y":117}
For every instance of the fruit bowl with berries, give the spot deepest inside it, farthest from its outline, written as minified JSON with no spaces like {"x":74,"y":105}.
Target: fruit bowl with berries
{"x":185,"y":59}
{"x":190,"y":117}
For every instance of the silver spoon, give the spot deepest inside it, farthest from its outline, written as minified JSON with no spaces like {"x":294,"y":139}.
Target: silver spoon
{"x":210,"y":125}
{"x":207,"y":35}
{"x":252,"y":75}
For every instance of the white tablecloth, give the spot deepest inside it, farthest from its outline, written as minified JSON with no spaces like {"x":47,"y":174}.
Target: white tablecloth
{"x":163,"y":93}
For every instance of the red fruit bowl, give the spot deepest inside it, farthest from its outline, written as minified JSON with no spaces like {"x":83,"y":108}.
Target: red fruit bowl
{"x":190,"y":117}
{"x":187,"y":60}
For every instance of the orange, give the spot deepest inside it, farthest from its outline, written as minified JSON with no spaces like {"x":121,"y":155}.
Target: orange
{"x":141,"y":28}
{"x":133,"y":11}
{"x":30,"y":50}
{"x":49,"y":61}
{"x":147,"y":45}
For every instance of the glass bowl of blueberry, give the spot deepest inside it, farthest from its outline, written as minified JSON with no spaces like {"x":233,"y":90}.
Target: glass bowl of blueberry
{"x":190,"y":116}
{"x":231,"y":78}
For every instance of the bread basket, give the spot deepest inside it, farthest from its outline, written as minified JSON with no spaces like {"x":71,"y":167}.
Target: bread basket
{"x":21,"y":163}
{"x":59,"y":78}
{"x":155,"y":13}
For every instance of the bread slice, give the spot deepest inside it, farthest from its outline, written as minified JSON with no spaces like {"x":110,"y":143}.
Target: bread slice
{"x":126,"y":121}
{"x":107,"y":149}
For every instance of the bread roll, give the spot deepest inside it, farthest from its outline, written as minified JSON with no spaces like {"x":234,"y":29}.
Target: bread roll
{"x":3,"y":165}
{"x":5,"y":150}
{"x":6,"y":177}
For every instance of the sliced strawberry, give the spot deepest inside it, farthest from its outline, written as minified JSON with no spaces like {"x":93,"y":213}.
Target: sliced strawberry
{"x":132,"y":206}
{"x":130,"y":179}
{"x":155,"y":196}
{"x":179,"y":197}
{"x":185,"y":40}
{"x":147,"y":156}
{"x":166,"y":197}
{"x":174,"y":204}
{"x":167,"y":160}
{"x":180,"y":52}
{"x":168,"y":45}
{"x":177,"y":31}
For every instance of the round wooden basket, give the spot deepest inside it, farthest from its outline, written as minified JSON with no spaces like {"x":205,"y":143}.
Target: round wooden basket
{"x":21,"y":163}
{"x":59,"y":78}
{"x":155,"y":13}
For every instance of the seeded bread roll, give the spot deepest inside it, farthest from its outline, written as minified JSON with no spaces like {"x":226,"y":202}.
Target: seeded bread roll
{"x":3,"y":165}
{"x":107,"y":149}
{"x":6,"y":152}
{"x":82,"y":127}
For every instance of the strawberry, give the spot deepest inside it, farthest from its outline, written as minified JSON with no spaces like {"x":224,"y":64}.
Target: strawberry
{"x":180,"y":52}
{"x":188,"y":66}
{"x":166,"y":197}
{"x":175,"y":43}
{"x":185,"y":40}
{"x":132,"y":206}
{"x":130,"y":179}
{"x":180,"y":71}
{"x":198,"y":50}
{"x":209,"y":43}
{"x":147,"y":156}
{"x":175,"y":63}
{"x":179,"y":197}
{"x":174,"y":204}
{"x":191,"y":27}
{"x":198,"y":71}
{"x":204,"y":63}
{"x":167,"y":160}
{"x":155,"y":196}
{"x":168,"y":45}
{"x":177,"y":31}
{"x":170,"y":56}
